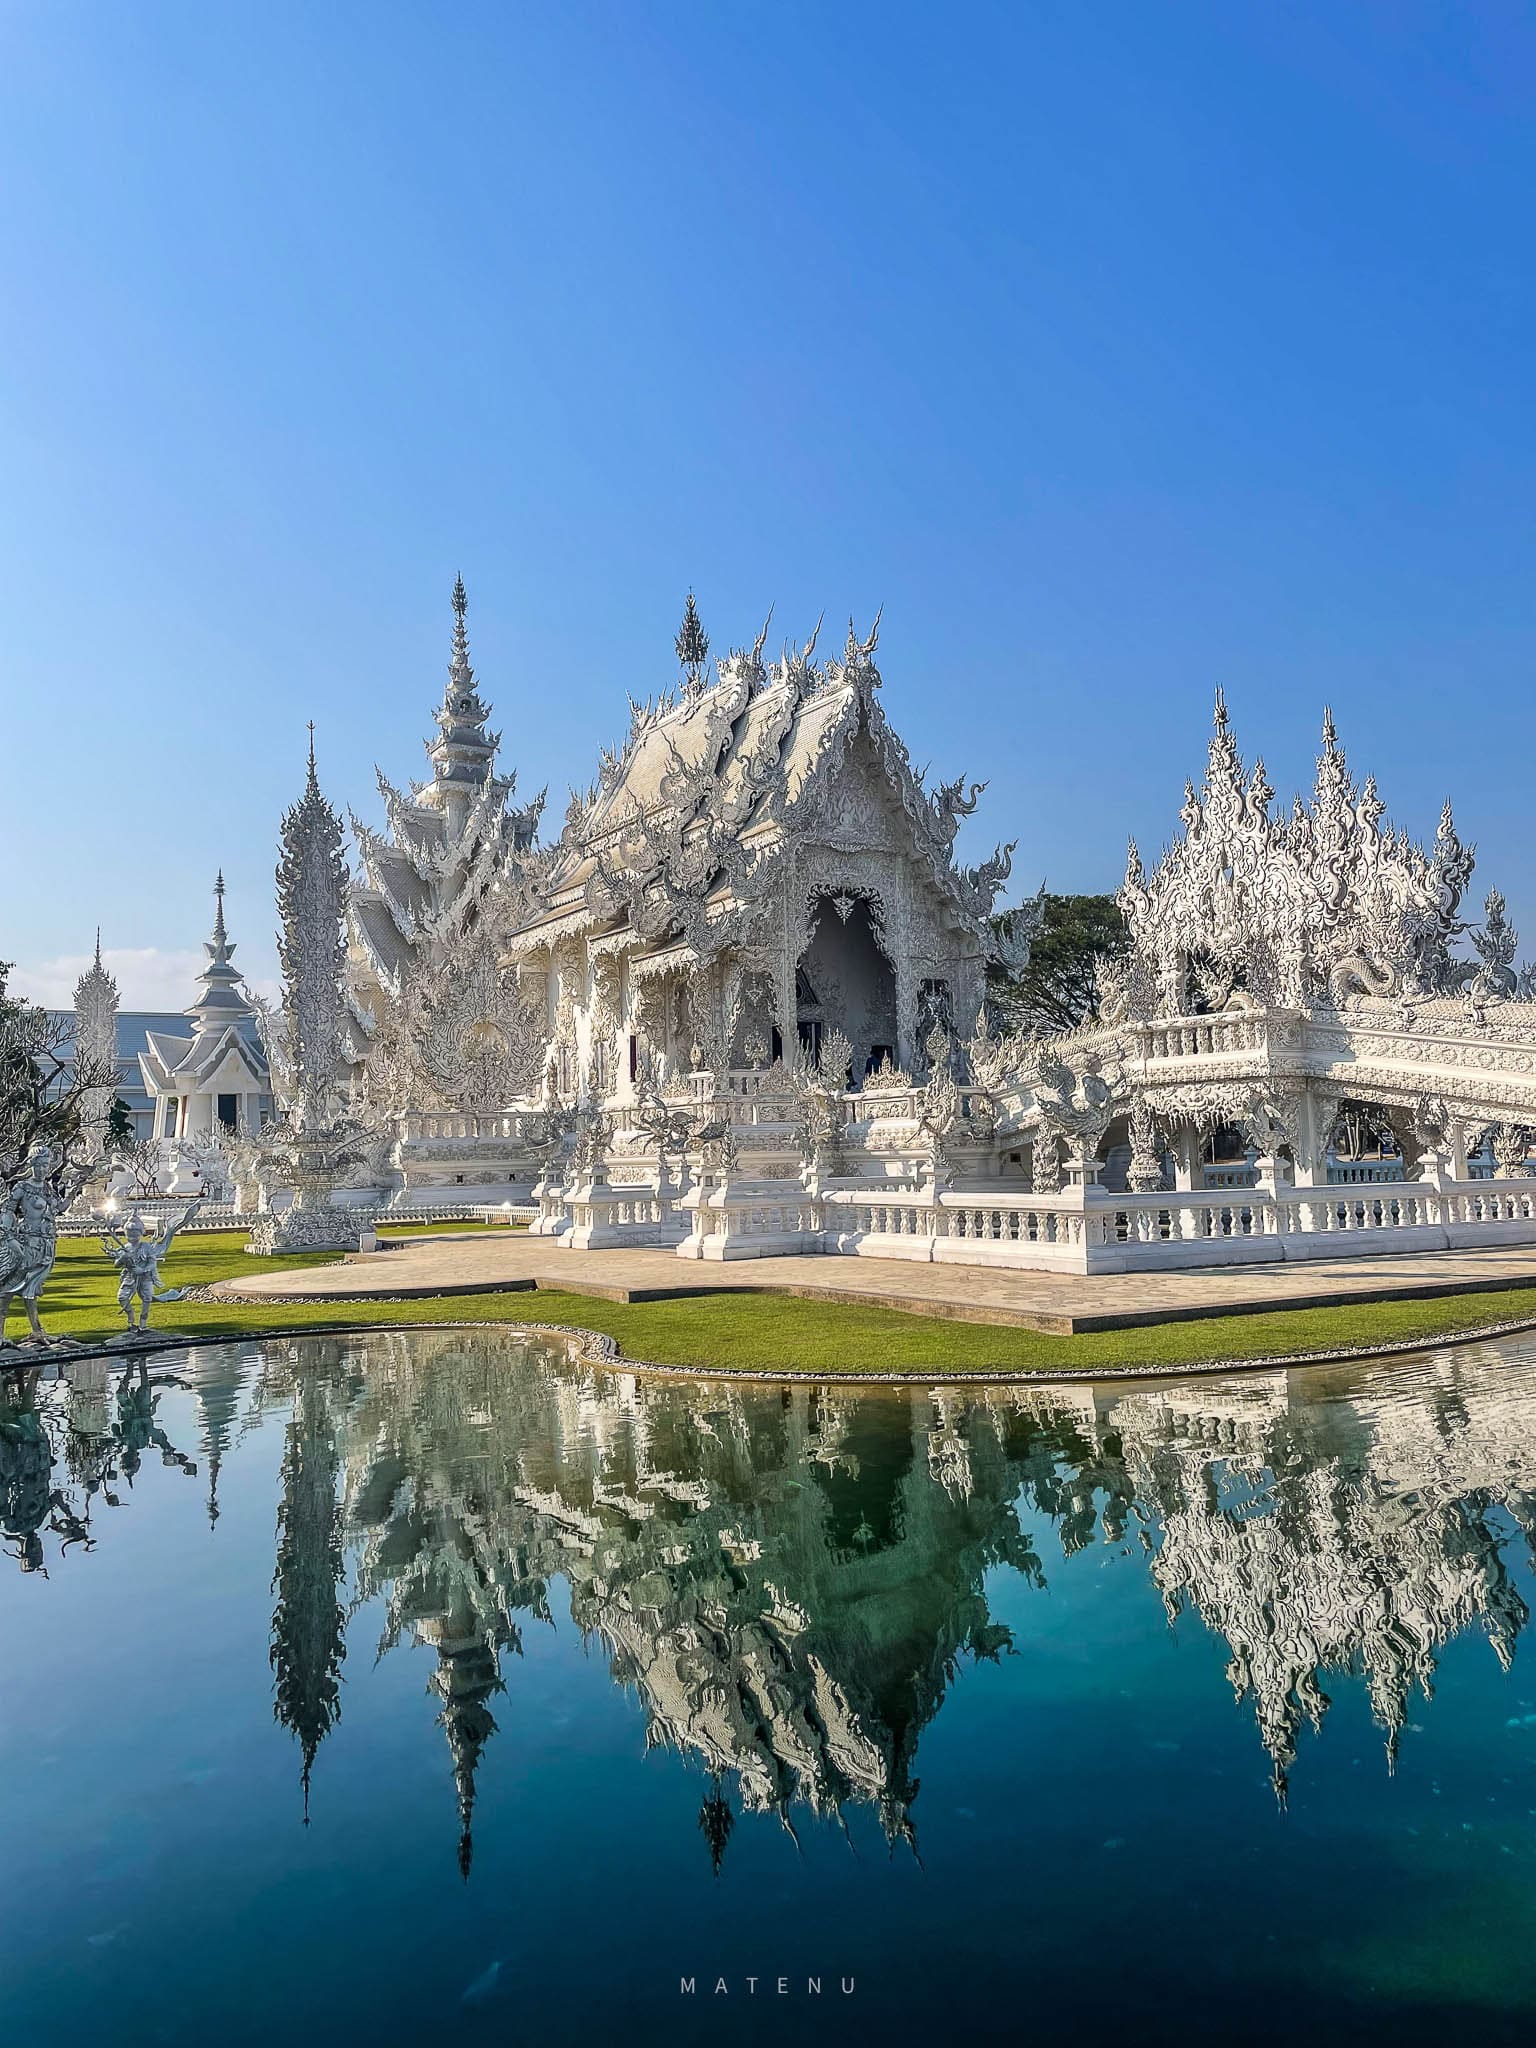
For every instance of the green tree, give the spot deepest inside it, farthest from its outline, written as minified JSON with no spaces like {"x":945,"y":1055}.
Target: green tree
{"x":120,"y":1130}
{"x":1057,"y":989}
{"x":44,"y":1091}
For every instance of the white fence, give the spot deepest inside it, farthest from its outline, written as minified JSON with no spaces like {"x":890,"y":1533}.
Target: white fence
{"x":155,"y":1209}
{"x":1090,"y":1230}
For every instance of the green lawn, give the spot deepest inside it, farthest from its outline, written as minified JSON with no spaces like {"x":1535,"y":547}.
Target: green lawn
{"x":745,"y":1332}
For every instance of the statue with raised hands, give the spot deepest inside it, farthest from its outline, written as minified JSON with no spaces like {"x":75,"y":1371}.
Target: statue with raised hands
{"x":136,"y":1252}
{"x":30,"y":1207}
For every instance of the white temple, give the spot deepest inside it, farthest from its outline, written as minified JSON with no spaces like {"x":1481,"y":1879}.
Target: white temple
{"x":736,"y":1006}
{"x":216,"y":1077}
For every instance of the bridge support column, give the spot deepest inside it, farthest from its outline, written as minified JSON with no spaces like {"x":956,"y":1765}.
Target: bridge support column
{"x":1185,"y":1145}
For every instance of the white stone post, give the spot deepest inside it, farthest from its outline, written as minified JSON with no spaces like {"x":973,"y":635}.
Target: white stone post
{"x":1186,"y":1159}
{"x":1083,"y":1163}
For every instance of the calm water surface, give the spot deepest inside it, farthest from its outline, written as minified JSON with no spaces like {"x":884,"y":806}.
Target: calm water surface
{"x":427,"y":1686}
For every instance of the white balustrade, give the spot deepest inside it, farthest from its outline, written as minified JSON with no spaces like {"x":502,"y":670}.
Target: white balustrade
{"x":1088,"y":1230}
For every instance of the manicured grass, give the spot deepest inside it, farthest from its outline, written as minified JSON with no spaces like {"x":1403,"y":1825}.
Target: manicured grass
{"x":727,"y":1332}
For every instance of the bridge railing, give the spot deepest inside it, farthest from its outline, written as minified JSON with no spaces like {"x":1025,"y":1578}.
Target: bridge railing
{"x":1087,"y":1230}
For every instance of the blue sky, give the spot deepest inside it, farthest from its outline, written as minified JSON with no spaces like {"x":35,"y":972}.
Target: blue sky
{"x":1120,"y":351}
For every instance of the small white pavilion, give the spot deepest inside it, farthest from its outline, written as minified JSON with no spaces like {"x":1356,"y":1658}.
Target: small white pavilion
{"x":217,"y":1078}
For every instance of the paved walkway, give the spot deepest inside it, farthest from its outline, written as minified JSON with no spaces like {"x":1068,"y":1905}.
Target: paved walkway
{"x":1062,"y":1304}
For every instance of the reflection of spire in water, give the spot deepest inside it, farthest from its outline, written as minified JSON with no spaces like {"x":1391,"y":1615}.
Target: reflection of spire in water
{"x":447,"y":1604}
{"x":715,"y":1822}
{"x":710,"y":1546}
{"x":426,"y":1497}
{"x":466,"y":1678}
{"x":88,"y":1424}
{"x":218,"y":1403}
{"x":308,"y":1625}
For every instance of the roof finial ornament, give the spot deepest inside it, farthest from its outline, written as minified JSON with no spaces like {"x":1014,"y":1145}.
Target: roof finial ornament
{"x":98,"y":945}
{"x":313,"y":782}
{"x":1221,"y":709}
{"x":755,"y":665}
{"x":859,"y":653}
{"x":692,"y":645}
{"x":461,"y":677}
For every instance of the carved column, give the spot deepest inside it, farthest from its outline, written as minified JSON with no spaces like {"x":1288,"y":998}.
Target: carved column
{"x":1315,"y":1116}
{"x":783,"y":980}
{"x":1083,"y":1162}
{"x":1510,"y":1146}
{"x":1045,"y":1164}
{"x":1186,"y":1158}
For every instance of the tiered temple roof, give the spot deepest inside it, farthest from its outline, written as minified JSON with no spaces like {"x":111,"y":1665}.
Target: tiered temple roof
{"x":689,"y":824}
{"x":222,"y":1021}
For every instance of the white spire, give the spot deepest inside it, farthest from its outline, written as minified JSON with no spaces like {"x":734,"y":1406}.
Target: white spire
{"x":222,"y":998}
{"x":311,"y":902}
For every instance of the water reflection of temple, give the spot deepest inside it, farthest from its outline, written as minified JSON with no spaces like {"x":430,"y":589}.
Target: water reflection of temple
{"x":782,"y":1580}
{"x":789,"y":1579}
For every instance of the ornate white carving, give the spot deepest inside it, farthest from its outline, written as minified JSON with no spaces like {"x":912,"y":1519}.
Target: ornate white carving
{"x":96,"y":1045}
{"x":1326,"y":903}
{"x":313,"y":1141}
{"x":30,"y":1208}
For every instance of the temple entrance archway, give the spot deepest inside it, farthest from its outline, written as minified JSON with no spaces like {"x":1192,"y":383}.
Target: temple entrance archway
{"x":845,"y":981}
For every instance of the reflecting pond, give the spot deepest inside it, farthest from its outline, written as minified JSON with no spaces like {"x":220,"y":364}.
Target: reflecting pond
{"x":427,"y":1681}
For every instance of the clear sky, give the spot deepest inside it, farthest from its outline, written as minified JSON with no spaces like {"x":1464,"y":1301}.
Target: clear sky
{"x":1121,"y":350}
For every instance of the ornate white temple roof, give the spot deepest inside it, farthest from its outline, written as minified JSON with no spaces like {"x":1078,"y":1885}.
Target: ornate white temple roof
{"x":681,"y":837}
{"x":222,"y":1021}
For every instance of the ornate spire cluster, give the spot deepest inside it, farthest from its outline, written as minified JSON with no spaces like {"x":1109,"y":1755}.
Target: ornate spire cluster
{"x":311,"y":947}
{"x":692,"y":644}
{"x":452,"y":863}
{"x":1328,"y":901}
{"x":95,"y":1042}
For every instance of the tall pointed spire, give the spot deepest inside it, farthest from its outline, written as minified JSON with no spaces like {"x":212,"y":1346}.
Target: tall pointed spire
{"x":459,"y":667}
{"x":312,"y":950}
{"x":463,"y":750}
{"x":221,"y":997}
{"x":96,"y":1042}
